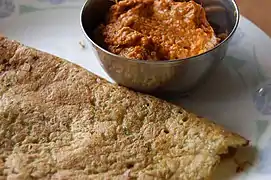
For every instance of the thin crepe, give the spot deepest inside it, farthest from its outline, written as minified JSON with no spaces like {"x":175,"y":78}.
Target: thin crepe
{"x":59,"y":121}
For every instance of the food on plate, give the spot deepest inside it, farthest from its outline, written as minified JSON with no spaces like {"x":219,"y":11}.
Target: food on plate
{"x":59,"y":121}
{"x":158,"y":29}
{"x":82,"y":44}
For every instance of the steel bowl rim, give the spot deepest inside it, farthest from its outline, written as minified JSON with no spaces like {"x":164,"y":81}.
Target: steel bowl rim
{"x":172,"y":61}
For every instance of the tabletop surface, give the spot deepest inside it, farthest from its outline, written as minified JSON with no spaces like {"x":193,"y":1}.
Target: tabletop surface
{"x":256,"y":11}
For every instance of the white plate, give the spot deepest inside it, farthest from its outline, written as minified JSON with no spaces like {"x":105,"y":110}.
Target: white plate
{"x":229,"y":97}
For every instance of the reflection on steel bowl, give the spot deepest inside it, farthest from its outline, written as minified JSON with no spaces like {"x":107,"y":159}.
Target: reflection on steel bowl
{"x":163,"y":77}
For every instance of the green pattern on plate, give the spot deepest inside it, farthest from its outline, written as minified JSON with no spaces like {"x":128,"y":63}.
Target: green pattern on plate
{"x":28,"y":9}
{"x":261,"y":74}
{"x":234,"y":62}
{"x":261,"y":127}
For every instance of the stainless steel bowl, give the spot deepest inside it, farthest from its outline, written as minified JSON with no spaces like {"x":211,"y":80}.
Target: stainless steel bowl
{"x":169,"y":77}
